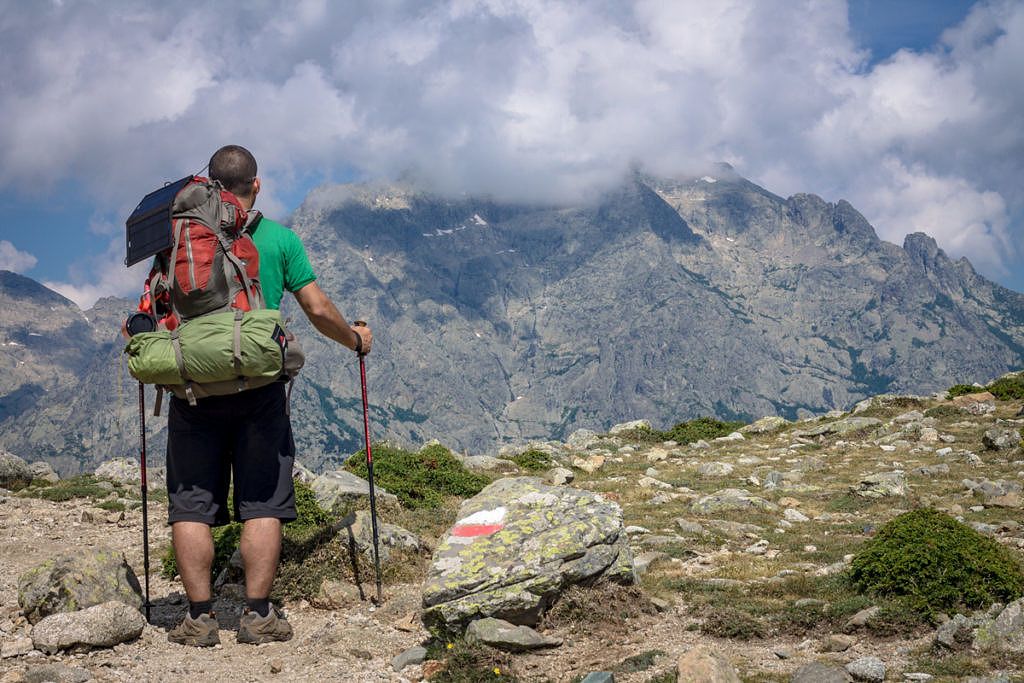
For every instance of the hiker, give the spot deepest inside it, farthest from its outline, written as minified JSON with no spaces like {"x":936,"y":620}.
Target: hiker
{"x":245,"y":435}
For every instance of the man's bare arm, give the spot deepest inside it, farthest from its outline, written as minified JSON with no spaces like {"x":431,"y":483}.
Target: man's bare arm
{"x":327,"y":319}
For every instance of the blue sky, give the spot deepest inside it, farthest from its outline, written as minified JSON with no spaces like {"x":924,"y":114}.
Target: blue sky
{"x":910,"y":109}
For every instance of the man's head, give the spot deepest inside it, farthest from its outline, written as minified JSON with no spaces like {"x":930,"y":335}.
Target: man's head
{"x":235,"y":167}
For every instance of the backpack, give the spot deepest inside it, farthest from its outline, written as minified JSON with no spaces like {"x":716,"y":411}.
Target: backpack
{"x":214,"y":334}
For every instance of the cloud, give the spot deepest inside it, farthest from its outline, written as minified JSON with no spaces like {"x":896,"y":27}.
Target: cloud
{"x":14,"y":260}
{"x":526,"y":99}
{"x":102,"y":275}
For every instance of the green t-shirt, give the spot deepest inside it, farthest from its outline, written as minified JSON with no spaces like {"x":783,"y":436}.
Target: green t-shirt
{"x":283,"y":261}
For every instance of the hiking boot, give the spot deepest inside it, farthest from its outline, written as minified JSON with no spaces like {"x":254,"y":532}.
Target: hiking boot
{"x":199,"y":632}
{"x":254,"y":629}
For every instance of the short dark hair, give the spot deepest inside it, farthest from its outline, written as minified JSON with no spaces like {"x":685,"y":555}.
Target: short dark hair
{"x":235,"y":167}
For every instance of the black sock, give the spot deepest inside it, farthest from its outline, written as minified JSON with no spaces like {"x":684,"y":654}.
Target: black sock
{"x":260,"y":606}
{"x":197,"y":608}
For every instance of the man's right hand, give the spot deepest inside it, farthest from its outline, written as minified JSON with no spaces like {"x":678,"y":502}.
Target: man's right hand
{"x":365,"y":335}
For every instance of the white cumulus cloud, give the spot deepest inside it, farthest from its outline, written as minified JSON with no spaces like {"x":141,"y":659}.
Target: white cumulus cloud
{"x":11,"y":258}
{"x":525,"y":99}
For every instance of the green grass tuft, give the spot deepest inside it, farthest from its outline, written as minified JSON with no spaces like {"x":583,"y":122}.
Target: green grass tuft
{"x":533,"y":460}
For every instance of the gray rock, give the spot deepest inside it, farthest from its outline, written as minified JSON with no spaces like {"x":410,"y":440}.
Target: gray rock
{"x":870,"y":669}
{"x":517,"y":545}
{"x":79,"y":579}
{"x":643,"y":561}
{"x":628,"y":426}
{"x":42,"y":470}
{"x":57,"y":673}
{"x":882,"y":485}
{"x":954,"y":634}
{"x":704,"y":664}
{"x":917,"y":676}
{"x":599,"y":677}
{"x":1005,"y":632}
{"x":15,"y":647}
{"x":766,"y":425}
{"x":816,"y":672}
{"x":715,"y":469}
{"x":15,"y":473}
{"x":390,"y":536}
{"x":730,"y":499}
{"x":997,"y":439}
{"x":336,"y":595}
{"x":129,"y":471}
{"x":559,"y":476}
{"x":849,"y":424}
{"x":861,"y":618}
{"x":483,"y":463}
{"x":793,"y":515}
{"x":339,"y":486}
{"x":509,"y":637}
{"x":104,"y":625}
{"x":582,"y":439}
{"x":691,"y":528}
{"x":412,"y":656}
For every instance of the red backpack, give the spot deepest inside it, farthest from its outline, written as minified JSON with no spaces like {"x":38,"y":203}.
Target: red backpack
{"x":212,"y":264}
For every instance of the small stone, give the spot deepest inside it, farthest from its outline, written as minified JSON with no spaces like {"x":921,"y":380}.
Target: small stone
{"x":276,"y":666}
{"x":917,"y":676}
{"x":688,"y":527}
{"x":861,"y":618}
{"x":788,"y":502}
{"x":791,"y":515}
{"x":414,"y":655}
{"x":837,"y":642}
{"x":816,"y":672}
{"x":505,"y":636}
{"x":559,"y":476}
{"x":432,"y":667}
{"x":16,"y":647}
{"x":359,"y":653}
{"x":703,"y":664}
{"x":643,"y":561}
{"x":661,"y":605}
{"x":759,"y":548}
{"x":589,"y":464}
{"x":599,"y":677}
{"x":783,"y":653}
{"x":657,"y":455}
{"x":336,"y":595}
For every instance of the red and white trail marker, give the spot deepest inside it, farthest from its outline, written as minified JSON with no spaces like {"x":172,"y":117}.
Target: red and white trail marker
{"x":482,"y":523}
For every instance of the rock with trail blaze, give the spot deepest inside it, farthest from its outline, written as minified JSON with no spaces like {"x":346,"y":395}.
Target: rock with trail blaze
{"x":518,"y":544}
{"x":79,"y":579}
{"x":104,"y":625}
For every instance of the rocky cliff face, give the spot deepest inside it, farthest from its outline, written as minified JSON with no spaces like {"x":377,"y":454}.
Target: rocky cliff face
{"x":666,"y":298}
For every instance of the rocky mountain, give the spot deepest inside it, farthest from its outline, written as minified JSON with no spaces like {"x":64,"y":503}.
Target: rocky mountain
{"x":499,"y":322}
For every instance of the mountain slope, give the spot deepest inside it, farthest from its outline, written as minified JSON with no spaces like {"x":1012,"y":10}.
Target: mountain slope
{"x":497,"y":323}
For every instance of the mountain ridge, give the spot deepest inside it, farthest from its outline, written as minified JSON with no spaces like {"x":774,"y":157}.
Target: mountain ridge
{"x":498,"y":323}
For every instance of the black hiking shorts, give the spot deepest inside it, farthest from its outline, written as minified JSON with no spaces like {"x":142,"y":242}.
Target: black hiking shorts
{"x":247,"y":436}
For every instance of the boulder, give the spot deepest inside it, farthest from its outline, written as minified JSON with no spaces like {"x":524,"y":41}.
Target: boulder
{"x":869,"y":669}
{"x":843,"y":426}
{"x":412,"y":656}
{"x":981,"y":403}
{"x":715,"y":469}
{"x":104,"y":625}
{"x":336,"y":487}
{"x":816,"y":672}
{"x":1005,"y":632}
{"x":628,"y":426}
{"x":15,"y":473}
{"x":997,"y":439}
{"x":516,"y":545}
{"x":129,"y":471}
{"x":558,"y":476}
{"x":43,"y":470}
{"x":882,"y":485}
{"x":705,"y":665}
{"x":730,"y":499}
{"x":502,"y":635}
{"x":389,"y":536}
{"x":582,"y":439}
{"x":766,"y":425}
{"x":82,"y":578}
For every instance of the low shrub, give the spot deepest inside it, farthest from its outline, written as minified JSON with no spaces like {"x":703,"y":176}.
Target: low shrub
{"x":683,"y":432}
{"x":726,"y":622}
{"x":421,"y":479}
{"x":936,"y":564}
{"x":961,"y":390}
{"x":1007,"y":388}
{"x":944,"y":410}
{"x":534,"y":460}
{"x":82,"y":486}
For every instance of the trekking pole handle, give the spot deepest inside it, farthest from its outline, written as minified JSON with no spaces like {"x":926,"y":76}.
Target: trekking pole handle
{"x":359,"y":339}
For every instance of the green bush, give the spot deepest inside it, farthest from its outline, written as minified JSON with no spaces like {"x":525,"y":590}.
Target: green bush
{"x":683,"y":432}
{"x":937,"y":564}
{"x":533,"y":460}
{"x":1007,"y":388}
{"x":81,"y":486}
{"x":961,"y":389}
{"x":420,"y":480}
{"x":944,"y":410}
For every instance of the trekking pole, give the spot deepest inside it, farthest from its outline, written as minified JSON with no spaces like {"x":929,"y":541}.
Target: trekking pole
{"x":369,"y":466}
{"x":142,"y":470}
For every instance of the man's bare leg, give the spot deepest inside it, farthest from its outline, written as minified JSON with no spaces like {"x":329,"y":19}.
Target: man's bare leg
{"x":261,"y":550}
{"x":193,"y":549}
